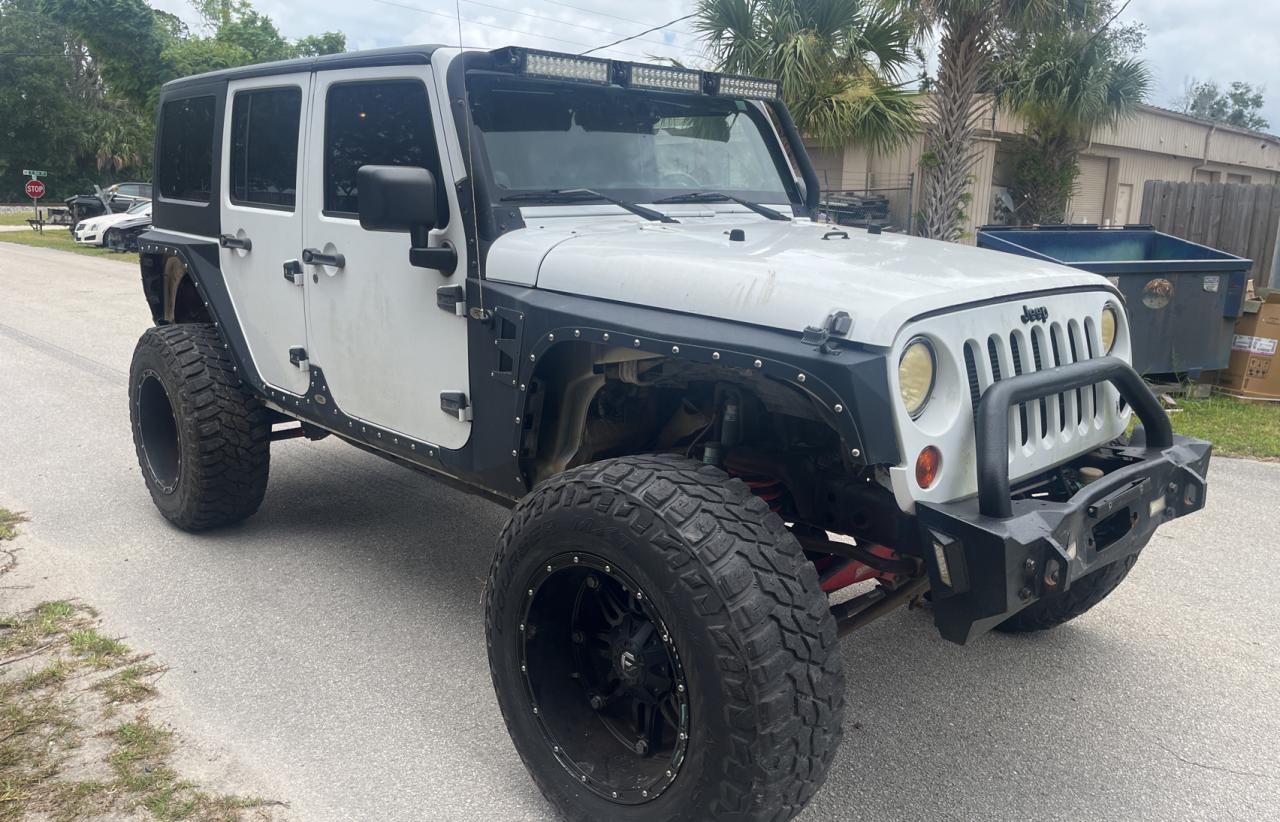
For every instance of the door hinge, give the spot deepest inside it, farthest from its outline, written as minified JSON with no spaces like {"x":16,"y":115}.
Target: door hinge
{"x":298,"y":357}
{"x":293,"y":272}
{"x":454,"y":403}
{"x":453,"y":299}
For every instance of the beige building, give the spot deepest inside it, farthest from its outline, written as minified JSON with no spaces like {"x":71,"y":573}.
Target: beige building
{"x":1156,"y":144}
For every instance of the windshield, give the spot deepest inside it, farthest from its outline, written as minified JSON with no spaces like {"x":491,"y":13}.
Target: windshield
{"x":140,"y":207}
{"x":633,"y":145}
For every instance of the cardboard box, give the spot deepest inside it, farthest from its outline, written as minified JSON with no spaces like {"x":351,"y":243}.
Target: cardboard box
{"x":1254,"y":369}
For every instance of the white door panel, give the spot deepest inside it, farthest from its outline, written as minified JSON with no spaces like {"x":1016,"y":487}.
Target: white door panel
{"x":387,"y":351}
{"x":265,"y":122}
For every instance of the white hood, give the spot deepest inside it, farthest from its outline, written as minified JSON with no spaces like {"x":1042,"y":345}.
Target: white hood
{"x":783,"y":275}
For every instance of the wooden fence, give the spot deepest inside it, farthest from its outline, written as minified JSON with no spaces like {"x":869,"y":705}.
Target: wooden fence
{"x":1234,"y":217}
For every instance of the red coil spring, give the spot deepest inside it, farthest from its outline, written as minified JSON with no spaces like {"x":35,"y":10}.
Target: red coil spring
{"x":769,"y":489}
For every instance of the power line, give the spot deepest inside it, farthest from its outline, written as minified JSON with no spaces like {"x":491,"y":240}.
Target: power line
{"x":494,"y":26}
{"x":641,"y":34}
{"x":558,"y":21}
{"x":607,"y":14}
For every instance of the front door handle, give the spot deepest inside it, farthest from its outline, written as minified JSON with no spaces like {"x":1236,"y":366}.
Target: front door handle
{"x":232,"y":241}
{"x":314,"y":256}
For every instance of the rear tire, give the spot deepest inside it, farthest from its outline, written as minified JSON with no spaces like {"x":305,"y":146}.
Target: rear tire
{"x":738,"y":622}
{"x":203,"y":440}
{"x":1086,"y":592}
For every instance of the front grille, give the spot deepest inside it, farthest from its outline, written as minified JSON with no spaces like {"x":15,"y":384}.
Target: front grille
{"x":1050,"y":420}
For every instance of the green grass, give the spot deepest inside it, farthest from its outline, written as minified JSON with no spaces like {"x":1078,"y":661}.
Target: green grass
{"x":9,"y":522}
{"x":1235,"y":427}
{"x":59,"y":239}
{"x":43,"y":722}
{"x":16,"y":218}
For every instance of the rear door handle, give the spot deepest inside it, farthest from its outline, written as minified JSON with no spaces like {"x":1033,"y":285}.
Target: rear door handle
{"x":232,"y":241}
{"x":314,"y":256}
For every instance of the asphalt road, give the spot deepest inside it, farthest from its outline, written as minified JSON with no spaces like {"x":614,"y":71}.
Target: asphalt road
{"x":334,"y":643}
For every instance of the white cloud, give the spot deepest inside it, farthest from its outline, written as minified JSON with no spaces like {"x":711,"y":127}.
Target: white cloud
{"x":486,"y":23}
{"x":1212,"y":40}
{"x":1208,"y":39}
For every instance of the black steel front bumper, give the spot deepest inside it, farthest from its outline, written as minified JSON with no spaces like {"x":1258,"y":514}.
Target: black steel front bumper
{"x":992,"y":556}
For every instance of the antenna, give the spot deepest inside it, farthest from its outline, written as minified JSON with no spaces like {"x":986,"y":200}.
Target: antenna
{"x":471,"y":165}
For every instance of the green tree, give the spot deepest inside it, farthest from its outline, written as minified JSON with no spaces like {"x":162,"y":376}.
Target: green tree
{"x":1066,"y":82}
{"x":838,"y":60}
{"x":313,"y":45}
{"x":967,"y":33}
{"x":1238,"y":106}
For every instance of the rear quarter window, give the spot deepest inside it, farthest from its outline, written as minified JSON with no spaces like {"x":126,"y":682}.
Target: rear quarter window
{"x":184,"y":167}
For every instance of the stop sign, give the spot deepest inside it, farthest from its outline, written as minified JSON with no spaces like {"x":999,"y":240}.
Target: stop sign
{"x":35,"y":189}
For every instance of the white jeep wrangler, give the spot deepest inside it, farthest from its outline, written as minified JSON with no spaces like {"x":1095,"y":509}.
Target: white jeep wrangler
{"x":729,"y":434}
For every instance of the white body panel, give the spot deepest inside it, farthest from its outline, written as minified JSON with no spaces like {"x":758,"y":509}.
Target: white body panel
{"x":270,"y":309}
{"x":947,"y":422}
{"x":784,"y":275}
{"x":386,"y":349}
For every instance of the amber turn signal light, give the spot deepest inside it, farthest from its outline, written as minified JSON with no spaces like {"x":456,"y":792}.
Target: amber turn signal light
{"x":928,"y":464}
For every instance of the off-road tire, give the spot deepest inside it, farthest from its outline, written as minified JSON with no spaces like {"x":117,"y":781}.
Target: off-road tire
{"x":1086,"y":592}
{"x":753,"y":629}
{"x":221,"y":431}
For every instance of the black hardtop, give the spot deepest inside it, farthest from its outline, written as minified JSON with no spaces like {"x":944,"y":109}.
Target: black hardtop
{"x":393,"y":56}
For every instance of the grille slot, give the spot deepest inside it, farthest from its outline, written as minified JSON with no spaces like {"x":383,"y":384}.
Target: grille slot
{"x":1049,"y":420}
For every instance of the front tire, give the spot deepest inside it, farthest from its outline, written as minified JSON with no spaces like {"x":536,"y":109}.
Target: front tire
{"x":1055,"y":609}
{"x":731,"y":641}
{"x":202,"y":438}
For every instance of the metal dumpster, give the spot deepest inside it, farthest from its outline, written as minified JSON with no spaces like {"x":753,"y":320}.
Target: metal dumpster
{"x":1183,"y":298}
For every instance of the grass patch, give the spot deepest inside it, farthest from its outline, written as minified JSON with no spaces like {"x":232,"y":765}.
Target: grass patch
{"x":17,"y":217}
{"x":59,"y":239}
{"x":50,"y":709}
{"x":130,"y":684}
{"x":9,"y":522}
{"x":1235,"y":427}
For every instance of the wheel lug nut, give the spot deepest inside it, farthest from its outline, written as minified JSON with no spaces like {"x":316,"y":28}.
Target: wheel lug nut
{"x":642,"y":747}
{"x":597,"y":702}
{"x":593,"y":583}
{"x":578,"y":638}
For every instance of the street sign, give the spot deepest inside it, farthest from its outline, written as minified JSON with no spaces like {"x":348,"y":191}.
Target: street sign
{"x":32,"y":173}
{"x":35,"y":189}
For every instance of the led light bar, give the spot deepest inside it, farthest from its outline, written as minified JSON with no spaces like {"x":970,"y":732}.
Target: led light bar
{"x":730,"y":85}
{"x":667,"y":78}
{"x":566,"y":66}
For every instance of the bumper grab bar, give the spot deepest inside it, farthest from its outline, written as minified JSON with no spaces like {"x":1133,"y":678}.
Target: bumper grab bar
{"x":992,"y":429}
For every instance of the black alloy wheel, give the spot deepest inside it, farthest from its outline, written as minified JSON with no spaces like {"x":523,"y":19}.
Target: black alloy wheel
{"x":604,"y":678}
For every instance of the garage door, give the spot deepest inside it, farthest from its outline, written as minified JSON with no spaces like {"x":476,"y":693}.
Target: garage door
{"x":1091,"y":190}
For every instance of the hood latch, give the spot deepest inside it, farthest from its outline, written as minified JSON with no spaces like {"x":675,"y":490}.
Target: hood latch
{"x":837,"y":325}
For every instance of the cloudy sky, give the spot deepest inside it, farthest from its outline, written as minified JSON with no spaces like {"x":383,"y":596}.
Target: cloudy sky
{"x":1220,"y":40}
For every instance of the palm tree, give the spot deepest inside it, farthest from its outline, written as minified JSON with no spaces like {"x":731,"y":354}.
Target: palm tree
{"x":1065,"y":85}
{"x":967,"y":33}
{"x":839,"y":62}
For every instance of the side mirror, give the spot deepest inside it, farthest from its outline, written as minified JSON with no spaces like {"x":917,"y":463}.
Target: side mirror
{"x":396,"y":198}
{"x":403,"y":198}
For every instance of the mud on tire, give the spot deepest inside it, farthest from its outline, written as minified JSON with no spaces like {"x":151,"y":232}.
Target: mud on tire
{"x":755,"y":637}
{"x":202,"y":438}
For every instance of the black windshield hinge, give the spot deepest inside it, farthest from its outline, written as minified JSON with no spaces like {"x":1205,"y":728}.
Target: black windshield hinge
{"x":837,"y":325}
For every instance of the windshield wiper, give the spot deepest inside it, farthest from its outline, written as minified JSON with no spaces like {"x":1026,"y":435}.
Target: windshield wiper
{"x":576,"y":195}
{"x":721,"y":197}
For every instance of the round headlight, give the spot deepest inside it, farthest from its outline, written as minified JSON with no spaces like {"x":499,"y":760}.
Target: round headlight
{"x":1110,"y":321}
{"x":915,"y":375}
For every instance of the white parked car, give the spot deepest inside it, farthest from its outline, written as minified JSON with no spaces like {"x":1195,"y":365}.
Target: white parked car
{"x":93,"y":231}
{"x":595,"y":291}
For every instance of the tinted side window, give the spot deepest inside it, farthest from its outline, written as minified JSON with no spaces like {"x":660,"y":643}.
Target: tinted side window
{"x":185,"y":165}
{"x":264,"y":146}
{"x":375,"y":123}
